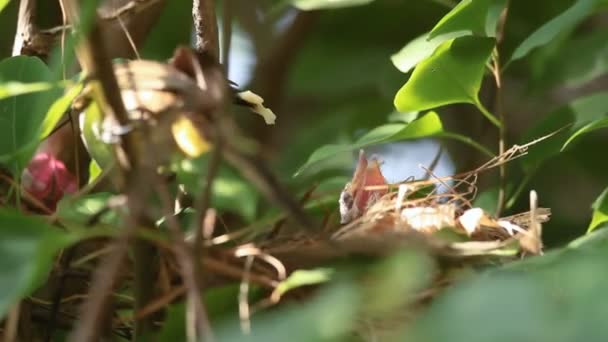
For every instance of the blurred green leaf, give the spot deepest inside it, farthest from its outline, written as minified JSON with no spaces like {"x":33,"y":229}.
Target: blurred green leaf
{"x":559,"y":290}
{"x":27,"y":248}
{"x":83,"y":208}
{"x":402,"y":117}
{"x":10,"y":88}
{"x":22,"y":115}
{"x":600,"y":211}
{"x":566,"y":21}
{"x":174,"y":28}
{"x":308,"y":5}
{"x":94,"y":171}
{"x":303,"y":278}
{"x":230,"y":191}
{"x":3,"y":4}
{"x":174,"y":327}
{"x":471,"y":17}
{"x":395,"y":280}
{"x":425,"y":126}
{"x":419,"y":49}
{"x":453,"y":74}
{"x":329,"y":316}
{"x":592,"y":126}
{"x":58,"y":109}
{"x":570,"y":119}
{"x":565,"y":65}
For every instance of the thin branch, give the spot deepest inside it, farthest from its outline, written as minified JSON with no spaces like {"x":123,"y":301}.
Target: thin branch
{"x":499,"y":110}
{"x":205,"y":25}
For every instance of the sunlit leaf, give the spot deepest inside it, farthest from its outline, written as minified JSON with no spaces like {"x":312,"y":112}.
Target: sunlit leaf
{"x":427,"y":125}
{"x":453,"y":74}
{"x":592,"y":126}
{"x":58,"y":109}
{"x":471,"y":17}
{"x":308,"y":5}
{"x":303,"y":278}
{"x":419,"y":49}
{"x":600,"y":211}
{"x":9,"y":89}
{"x":567,"y":20}
{"x":3,"y":4}
{"x":569,"y":119}
{"x":27,"y":248}
{"x":21,"y":116}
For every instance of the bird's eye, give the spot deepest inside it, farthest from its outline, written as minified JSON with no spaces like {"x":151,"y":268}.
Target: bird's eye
{"x":346,"y":198}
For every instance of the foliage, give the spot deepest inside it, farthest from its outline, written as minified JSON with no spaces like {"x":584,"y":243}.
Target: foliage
{"x":474,"y":77}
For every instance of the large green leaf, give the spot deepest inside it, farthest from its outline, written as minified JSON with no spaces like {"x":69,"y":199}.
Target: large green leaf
{"x":419,"y":49}
{"x":471,"y":17}
{"x":573,"y":118}
{"x":27,"y":248}
{"x":559,"y":290}
{"x":308,"y":5}
{"x":600,"y":211}
{"x":22,"y":115}
{"x":564,"y":22}
{"x":453,"y":74}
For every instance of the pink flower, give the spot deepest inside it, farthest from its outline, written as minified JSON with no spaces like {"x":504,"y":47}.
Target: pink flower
{"x":47,"y":179}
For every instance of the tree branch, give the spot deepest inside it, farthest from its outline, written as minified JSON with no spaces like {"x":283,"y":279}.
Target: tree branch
{"x":205,"y":25}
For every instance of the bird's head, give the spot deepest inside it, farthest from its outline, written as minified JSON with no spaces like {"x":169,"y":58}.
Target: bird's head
{"x":355,"y":198}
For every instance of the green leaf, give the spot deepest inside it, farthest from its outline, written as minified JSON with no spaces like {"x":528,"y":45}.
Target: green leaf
{"x":81,"y":209}
{"x":309,"y":5}
{"x":329,"y":316}
{"x":94,"y":171}
{"x":396,"y":280}
{"x":21,"y":116}
{"x":453,"y":74}
{"x":58,"y":109}
{"x":229,"y":192}
{"x":559,"y":290}
{"x":600,"y":211}
{"x":173,"y":28}
{"x":10,"y":88}
{"x":27,"y":248}
{"x":303,"y":278}
{"x":425,"y":126}
{"x":566,"y":21}
{"x":471,"y":17}
{"x":573,"y":119}
{"x":592,"y":126}
{"x":3,"y":4}
{"x":419,"y":49}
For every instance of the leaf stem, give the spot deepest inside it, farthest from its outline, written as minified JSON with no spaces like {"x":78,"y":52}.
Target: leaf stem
{"x":487,"y":114}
